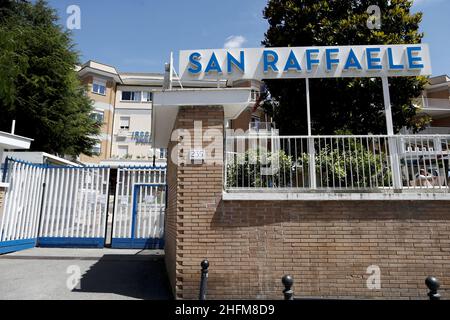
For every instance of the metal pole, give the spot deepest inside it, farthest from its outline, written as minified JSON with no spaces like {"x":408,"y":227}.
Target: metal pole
{"x":311,"y":151}
{"x":204,"y":280}
{"x":288,"y":282}
{"x":171,"y":72}
{"x":393,"y":148}
{"x":308,"y":107}
{"x":41,"y":209}
{"x":387,"y":106}
{"x":433,"y":285}
{"x":5,"y":169}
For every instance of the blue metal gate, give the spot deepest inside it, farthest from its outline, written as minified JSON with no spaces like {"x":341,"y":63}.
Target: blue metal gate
{"x":61,"y":206}
{"x":75,"y":207}
{"x":139,"y":209}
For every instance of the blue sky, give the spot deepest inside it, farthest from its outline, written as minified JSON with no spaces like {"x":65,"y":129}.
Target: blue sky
{"x":138,"y":35}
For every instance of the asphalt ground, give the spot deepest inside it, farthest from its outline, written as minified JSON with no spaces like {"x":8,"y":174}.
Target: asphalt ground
{"x":83,"y":274}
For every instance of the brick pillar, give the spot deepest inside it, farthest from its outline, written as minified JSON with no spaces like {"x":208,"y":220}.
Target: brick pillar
{"x":194,"y":192}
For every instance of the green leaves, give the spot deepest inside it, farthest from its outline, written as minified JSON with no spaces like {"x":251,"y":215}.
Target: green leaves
{"x":346,"y":103}
{"x":39,"y":86}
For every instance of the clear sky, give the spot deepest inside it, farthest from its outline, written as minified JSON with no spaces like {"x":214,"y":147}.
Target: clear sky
{"x":138,"y":35}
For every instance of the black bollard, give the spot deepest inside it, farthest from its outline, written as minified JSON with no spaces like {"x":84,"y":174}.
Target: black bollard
{"x":288,"y":281}
{"x":204,"y":279}
{"x":433,"y":285}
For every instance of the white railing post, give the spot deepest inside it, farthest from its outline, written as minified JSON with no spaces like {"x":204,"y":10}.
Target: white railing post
{"x":394,"y":149}
{"x":312,"y":164}
{"x":392,"y":140}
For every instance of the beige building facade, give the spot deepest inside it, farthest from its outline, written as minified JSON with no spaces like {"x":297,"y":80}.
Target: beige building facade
{"x":435,"y":102}
{"x":123,"y":104}
{"x":101,"y":81}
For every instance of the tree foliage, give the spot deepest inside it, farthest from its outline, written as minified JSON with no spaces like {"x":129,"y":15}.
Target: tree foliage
{"x":341,"y":163}
{"x":39,"y":86}
{"x":352,"y":104}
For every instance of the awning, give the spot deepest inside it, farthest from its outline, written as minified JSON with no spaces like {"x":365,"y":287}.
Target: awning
{"x":166,"y":105}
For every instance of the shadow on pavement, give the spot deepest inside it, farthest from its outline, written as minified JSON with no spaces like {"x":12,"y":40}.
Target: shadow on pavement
{"x":136,"y":276}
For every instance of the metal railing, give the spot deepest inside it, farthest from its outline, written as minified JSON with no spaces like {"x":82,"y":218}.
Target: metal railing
{"x":261,"y":126}
{"x":433,"y":103}
{"x":428,"y":131}
{"x":346,"y":163}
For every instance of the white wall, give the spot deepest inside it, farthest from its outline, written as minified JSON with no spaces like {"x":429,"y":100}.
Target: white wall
{"x":140,"y":114}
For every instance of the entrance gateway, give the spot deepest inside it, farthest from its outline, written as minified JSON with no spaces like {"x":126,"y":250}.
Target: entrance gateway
{"x":309,"y":62}
{"x":369,"y":61}
{"x":208,"y":219}
{"x":56,"y":206}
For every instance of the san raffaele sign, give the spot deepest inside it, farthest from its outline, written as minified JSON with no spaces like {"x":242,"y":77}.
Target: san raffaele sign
{"x":306,"y":62}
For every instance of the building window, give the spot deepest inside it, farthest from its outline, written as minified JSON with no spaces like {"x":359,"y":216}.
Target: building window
{"x":131,"y":96}
{"x":97,"y":148}
{"x":99,"y":87}
{"x":98,"y":116}
{"x":125,"y":123}
{"x":147,"y":96}
{"x":122,"y":151}
{"x":162,"y":153}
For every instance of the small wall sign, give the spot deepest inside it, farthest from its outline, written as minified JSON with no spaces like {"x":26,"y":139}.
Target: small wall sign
{"x":197,"y":155}
{"x":141,"y":137}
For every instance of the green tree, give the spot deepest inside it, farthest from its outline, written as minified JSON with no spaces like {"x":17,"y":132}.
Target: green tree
{"x":39,"y":86}
{"x":351,"y":104}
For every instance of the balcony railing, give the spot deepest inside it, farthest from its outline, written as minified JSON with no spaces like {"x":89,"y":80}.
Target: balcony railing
{"x":433,"y":103}
{"x":429,"y":130}
{"x":261,"y":127}
{"x":373,"y":163}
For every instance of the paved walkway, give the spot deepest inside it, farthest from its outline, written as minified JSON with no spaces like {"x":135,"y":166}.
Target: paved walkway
{"x":83,"y":274}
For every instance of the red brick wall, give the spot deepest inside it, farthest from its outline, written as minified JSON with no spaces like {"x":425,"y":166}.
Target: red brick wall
{"x":327,"y":246}
{"x":193,"y":190}
{"x":171,"y":220}
{"x":442,"y":122}
{"x":442,"y":94}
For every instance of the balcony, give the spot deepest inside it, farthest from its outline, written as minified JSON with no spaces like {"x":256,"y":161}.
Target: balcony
{"x":338,"y":167}
{"x":122,"y":134}
{"x":262,"y":127}
{"x":429,"y":130}
{"x":434,"y":107}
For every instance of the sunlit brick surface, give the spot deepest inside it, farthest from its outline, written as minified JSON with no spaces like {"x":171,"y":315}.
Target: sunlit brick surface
{"x":326,"y":245}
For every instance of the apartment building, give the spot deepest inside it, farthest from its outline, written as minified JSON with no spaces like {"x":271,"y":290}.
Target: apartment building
{"x":123,"y":104}
{"x":101,"y":81}
{"x":435,"y":102}
{"x":131,"y":133}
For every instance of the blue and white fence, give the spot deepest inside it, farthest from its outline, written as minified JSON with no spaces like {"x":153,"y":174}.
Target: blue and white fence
{"x":75,"y":207}
{"x":139,"y":208}
{"x":60,"y":206}
{"x":21,"y":211}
